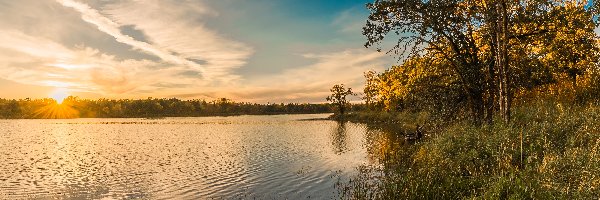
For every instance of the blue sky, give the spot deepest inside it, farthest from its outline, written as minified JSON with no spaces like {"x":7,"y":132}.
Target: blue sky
{"x":251,"y":50}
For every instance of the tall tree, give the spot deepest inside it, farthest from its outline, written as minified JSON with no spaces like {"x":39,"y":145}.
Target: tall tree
{"x":338,"y":97}
{"x":370,"y":90}
{"x":444,"y":27}
{"x":476,"y":37}
{"x":500,"y":21}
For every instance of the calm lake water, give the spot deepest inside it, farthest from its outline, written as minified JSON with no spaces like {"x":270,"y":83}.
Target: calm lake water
{"x":264,"y":157}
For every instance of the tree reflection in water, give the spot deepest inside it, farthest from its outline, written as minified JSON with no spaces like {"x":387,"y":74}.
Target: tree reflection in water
{"x":339,"y":137}
{"x":385,"y":142}
{"x":382,"y":141}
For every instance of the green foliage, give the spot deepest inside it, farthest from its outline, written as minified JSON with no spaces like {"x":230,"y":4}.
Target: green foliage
{"x":550,"y":151}
{"x":478,"y":55}
{"x":338,"y":97}
{"x":422,"y":85}
{"x":73,"y":107}
{"x":370,"y":90}
{"x":479,"y":59}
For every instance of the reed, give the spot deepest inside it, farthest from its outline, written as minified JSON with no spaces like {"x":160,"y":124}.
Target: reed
{"x":549,"y":151}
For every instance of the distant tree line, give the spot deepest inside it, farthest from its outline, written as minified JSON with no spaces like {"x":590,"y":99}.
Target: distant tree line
{"x":73,"y":107}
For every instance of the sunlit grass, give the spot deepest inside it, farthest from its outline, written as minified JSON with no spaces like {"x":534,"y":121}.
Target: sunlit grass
{"x":550,"y":151}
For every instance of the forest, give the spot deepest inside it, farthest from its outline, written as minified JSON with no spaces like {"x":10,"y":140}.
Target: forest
{"x":478,"y":59}
{"x":507,"y":93}
{"x":73,"y":107}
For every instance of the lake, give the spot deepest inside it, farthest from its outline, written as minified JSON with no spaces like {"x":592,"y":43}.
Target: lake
{"x":264,"y":157}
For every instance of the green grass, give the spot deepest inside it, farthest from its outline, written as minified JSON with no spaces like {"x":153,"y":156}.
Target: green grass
{"x":549,"y":151}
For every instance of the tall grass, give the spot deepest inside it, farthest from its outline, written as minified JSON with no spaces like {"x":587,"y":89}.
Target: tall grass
{"x":549,"y":151}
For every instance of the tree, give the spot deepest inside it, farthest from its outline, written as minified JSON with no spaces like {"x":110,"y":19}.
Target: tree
{"x":150,"y":107}
{"x":370,"y":90}
{"x":338,"y":97}
{"x":446,"y":28}
{"x":479,"y":40}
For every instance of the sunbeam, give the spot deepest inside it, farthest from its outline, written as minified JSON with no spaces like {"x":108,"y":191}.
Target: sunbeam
{"x":55,"y":110}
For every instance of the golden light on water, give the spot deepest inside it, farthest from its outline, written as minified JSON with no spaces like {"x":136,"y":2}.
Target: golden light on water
{"x":59,"y":95}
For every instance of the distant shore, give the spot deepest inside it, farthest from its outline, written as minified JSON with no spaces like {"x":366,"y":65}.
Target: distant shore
{"x":73,"y":107}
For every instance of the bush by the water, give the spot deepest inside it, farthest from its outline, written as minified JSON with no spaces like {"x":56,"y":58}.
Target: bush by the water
{"x":549,"y":151}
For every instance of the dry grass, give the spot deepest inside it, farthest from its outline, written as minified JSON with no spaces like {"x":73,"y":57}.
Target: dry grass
{"x":550,"y":151}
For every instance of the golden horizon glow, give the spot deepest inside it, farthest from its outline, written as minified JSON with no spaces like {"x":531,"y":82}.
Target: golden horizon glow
{"x":56,"y":111}
{"x":59,"y":95}
{"x":134,"y":44}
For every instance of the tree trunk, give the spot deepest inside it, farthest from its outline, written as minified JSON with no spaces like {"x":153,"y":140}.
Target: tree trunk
{"x":477,"y":106}
{"x":502,"y":61}
{"x":506,"y":70}
{"x":491,"y":86}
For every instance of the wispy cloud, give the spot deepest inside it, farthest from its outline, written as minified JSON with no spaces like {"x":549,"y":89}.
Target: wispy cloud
{"x":312,"y":82}
{"x":309,"y":83}
{"x":178,"y":26}
{"x":175,"y":36}
{"x":350,"y":21}
{"x":23,"y":57}
{"x":108,"y":26}
{"x":190,"y":56}
{"x":36,"y":60}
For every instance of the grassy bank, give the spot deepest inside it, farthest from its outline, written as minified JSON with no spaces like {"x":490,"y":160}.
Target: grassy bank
{"x":549,"y":151}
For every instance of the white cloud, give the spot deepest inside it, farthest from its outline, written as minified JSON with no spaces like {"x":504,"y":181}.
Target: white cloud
{"x":108,"y":26}
{"x":308,"y":83}
{"x":31,"y":58}
{"x":35,"y":60}
{"x":312,"y":82}
{"x":39,"y":61}
{"x":176,"y":34}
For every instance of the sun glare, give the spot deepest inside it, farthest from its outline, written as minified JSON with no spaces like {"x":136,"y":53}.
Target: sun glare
{"x":59,"y":95}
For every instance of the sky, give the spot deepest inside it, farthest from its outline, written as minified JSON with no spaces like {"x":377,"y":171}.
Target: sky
{"x":246,"y":50}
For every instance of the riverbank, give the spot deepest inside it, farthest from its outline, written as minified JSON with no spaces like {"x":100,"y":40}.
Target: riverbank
{"x":395,"y":120}
{"x":549,"y":151}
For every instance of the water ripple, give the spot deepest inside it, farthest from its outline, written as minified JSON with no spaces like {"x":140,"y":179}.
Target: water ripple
{"x":178,"y":158}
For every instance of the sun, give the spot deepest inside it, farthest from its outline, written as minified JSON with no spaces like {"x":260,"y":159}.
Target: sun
{"x":59,"y":95}
{"x":56,"y":109}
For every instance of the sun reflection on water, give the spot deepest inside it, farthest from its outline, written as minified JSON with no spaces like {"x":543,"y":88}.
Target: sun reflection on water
{"x":264,"y":157}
